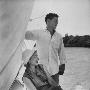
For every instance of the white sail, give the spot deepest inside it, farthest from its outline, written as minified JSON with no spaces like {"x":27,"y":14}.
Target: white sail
{"x":14,"y":16}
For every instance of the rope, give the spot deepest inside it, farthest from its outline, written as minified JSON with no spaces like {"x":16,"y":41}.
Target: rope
{"x":36,"y":18}
{"x":22,"y":45}
{"x":10,"y":57}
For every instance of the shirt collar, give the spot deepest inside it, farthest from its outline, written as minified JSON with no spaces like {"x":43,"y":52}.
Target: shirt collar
{"x":49,"y":32}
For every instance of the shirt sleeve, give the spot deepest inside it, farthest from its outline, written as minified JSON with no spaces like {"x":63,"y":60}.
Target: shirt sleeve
{"x":61,"y":53}
{"x":32,"y":35}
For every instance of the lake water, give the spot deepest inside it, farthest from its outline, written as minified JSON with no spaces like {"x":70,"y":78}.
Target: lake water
{"x":77,"y":69}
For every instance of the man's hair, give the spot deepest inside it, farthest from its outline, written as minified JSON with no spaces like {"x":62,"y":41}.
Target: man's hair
{"x":50,"y":16}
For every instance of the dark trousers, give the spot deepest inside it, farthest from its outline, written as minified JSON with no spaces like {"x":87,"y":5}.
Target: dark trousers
{"x":56,"y":77}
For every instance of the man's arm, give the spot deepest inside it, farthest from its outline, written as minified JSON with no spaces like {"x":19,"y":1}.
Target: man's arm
{"x":62,"y":58}
{"x":32,"y":35}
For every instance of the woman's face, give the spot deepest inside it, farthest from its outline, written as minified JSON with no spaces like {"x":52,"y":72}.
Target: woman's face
{"x":34,"y":59}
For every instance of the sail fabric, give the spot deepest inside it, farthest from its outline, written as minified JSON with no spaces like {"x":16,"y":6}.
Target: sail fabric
{"x":14,"y":16}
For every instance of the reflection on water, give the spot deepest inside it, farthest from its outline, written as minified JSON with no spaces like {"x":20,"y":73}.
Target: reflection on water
{"x":77,"y":69}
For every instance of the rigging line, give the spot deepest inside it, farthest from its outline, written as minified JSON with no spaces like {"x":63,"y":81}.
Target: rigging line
{"x":19,"y":70}
{"x":10,"y":57}
{"x":36,"y":18}
{"x":23,"y":45}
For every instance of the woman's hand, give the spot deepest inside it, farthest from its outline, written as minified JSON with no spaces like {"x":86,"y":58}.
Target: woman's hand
{"x":52,"y":81}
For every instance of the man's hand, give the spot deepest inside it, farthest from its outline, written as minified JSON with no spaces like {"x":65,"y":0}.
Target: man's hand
{"x":61,"y":69}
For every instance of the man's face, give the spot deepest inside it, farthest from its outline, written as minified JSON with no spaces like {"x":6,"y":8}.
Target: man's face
{"x":53,"y":23}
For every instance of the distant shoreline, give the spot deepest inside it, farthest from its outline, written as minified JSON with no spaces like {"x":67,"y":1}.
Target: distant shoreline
{"x":76,"y":41}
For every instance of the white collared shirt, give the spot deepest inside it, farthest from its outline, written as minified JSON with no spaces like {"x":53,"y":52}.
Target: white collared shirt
{"x":50,"y":49}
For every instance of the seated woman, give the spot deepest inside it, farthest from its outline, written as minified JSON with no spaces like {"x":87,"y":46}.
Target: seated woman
{"x":36,"y":76}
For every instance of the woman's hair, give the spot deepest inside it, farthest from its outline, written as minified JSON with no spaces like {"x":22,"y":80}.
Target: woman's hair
{"x":33,"y":54}
{"x":28,"y":64}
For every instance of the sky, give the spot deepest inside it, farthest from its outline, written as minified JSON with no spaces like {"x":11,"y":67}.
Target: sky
{"x":74,"y":16}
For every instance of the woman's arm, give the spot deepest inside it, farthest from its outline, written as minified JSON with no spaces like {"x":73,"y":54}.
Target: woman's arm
{"x":28,"y":84}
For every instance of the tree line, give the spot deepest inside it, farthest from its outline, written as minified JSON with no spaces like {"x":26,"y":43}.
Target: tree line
{"x":76,"y":41}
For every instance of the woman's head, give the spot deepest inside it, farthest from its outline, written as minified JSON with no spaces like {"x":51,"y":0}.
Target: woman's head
{"x":30,"y":57}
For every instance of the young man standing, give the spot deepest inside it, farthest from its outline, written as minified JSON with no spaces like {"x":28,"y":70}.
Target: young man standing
{"x":50,"y":46}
